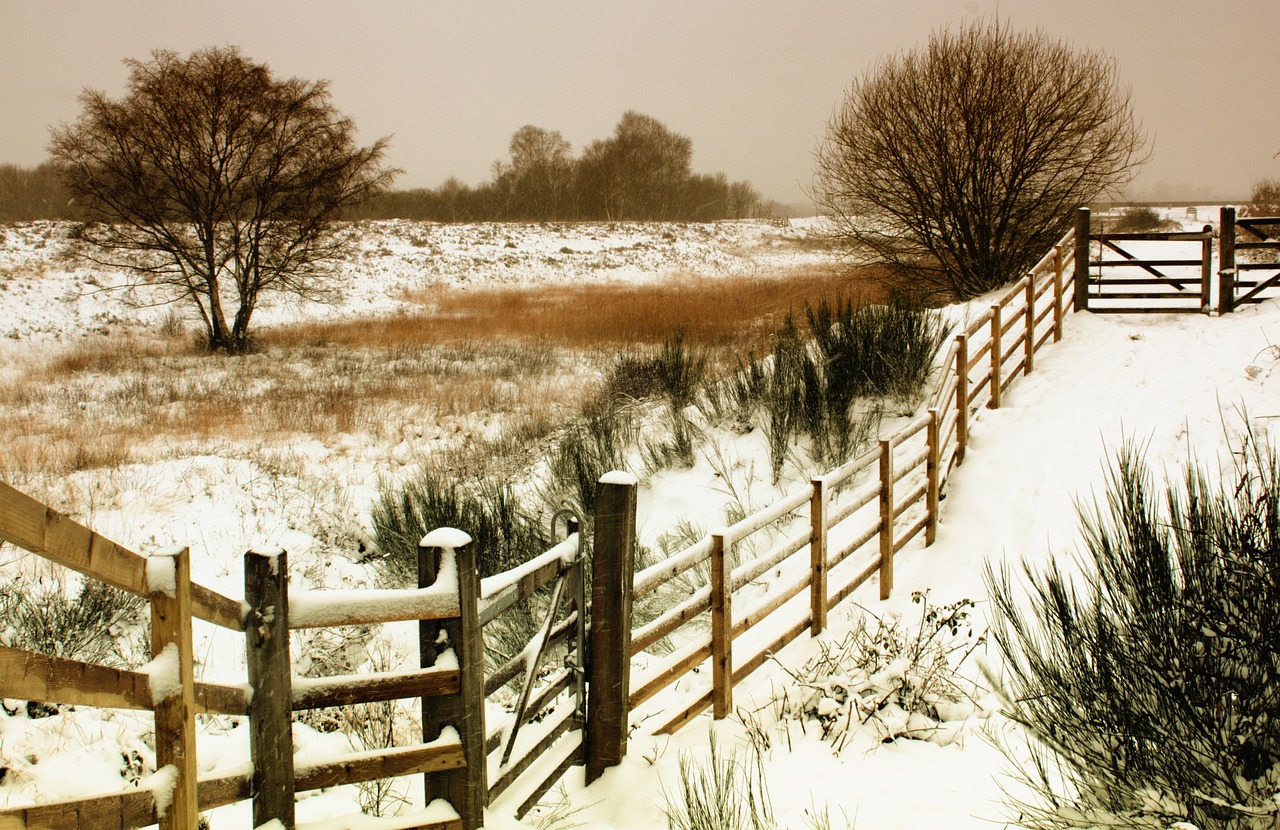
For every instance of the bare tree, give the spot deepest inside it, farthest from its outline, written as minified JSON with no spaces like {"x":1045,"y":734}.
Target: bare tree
{"x":213,"y":179}
{"x":957,"y":165}
{"x":637,"y":173}
{"x":540,"y":174}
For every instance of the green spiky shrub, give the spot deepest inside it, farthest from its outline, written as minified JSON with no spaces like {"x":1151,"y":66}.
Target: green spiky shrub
{"x":1150,"y":683}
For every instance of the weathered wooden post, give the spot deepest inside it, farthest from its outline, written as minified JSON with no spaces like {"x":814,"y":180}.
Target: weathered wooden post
{"x":962,"y":395}
{"x":466,"y":789}
{"x":1058,"y":268}
{"x":173,"y":694}
{"x":1227,"y":261}
{"x":932,"y":473}
{"x":1081,"y":266}
{"x":886,"y":517}
{"x":266,"y":631}
{"x":1029,"y":344}
{"x":997,"y":357}
{"x":818,"y":558}
{"x":1206,"y":268}
{"x":721,"y":626}
{"x":612,"y":575}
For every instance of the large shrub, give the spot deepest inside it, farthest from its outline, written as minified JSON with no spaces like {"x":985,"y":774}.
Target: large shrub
{"x":1153,"y":679}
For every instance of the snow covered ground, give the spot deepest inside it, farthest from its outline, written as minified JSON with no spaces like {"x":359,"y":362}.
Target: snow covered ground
{"x":1176,"y":384}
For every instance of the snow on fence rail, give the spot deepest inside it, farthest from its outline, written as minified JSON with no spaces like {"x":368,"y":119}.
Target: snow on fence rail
{"x":449,"y":590}
{"x":859,"y":515}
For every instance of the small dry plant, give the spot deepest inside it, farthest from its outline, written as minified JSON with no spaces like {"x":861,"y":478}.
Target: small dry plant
{"x":379,"y":725}
{"x":719,"y":792}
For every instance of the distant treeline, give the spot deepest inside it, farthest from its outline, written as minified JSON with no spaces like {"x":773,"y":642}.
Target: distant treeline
{"x":641,"y":172}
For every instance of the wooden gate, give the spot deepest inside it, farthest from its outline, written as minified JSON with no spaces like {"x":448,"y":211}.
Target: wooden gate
{"x":1259,"y":238}
{"x":1128,"y":273}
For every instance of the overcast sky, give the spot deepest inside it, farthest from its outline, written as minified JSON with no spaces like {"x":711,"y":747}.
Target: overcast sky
{"x":751,"y":82}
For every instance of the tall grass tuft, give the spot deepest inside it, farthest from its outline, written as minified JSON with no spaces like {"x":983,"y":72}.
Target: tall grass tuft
{"x":1150,"y":682}
{"x":488,"y":511}
{"x":720,"y":793}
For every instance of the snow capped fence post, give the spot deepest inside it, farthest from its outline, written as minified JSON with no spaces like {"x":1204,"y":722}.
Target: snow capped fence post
{"x":266,"y":632}
{"x":818,"y":558}
{"x":886,"y":517}
{"x":466,"y":789}
{"x":1082,"y":260}
{"x":1227,"y":260}
{"x":721,"y":626}
{"x":962,"y":395}
{"x":173,"y":694}
{"x":608,"y":669}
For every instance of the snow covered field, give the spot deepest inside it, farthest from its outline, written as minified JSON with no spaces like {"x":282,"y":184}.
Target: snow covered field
{"x":1177,"y":384}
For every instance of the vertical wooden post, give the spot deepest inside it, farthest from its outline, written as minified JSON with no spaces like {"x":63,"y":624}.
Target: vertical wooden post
{"x":1029,"y":345}
{"x":169,"y":589}
{"x":721,"y":627}
{"x":997,"y":353}
{"x":578,"y":593}
{"x":932,"y":474}
{"x":467,"y":789}
{"x":1082,"y":260}
{"x":266,"y":629}
{"x":1227,"y":261}
{"x":962,"y":395}
{"x":1057,"y":293}
{"x":1206,"y":268}
{"x":818,"y":558}
{"x":612,"y":575}
{"x":886,"y":517}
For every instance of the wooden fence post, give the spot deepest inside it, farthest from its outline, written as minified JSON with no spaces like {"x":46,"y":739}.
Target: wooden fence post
{"x":466,"y":789}
{"x":1082,"y":260}
{"x":721,"y":627}
{"x":266,"y":630}
{"x":886,"y":517}
{"x":933,"y":493}
{"x":1057,"y":292}
{"x":1227,"y":261}
{"x":997,"y":353}
{"x":612,"y":575}
{"x":1206,"y":268}
{"x":818,"y":558}
{"x":1029,"y":345}
{"x":962,"y":395}
{"x":169,"y":589}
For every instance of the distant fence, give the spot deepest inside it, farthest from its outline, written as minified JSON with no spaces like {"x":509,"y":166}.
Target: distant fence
{"x":1173,"y":272}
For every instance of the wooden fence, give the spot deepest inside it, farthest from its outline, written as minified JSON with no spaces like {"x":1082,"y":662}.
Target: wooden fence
{"x":852,"y":520}
{"x":859,"y":516}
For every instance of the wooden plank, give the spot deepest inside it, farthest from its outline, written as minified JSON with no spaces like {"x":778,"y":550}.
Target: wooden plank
{"x":671,"y":619}
{"x":681,"y":664}
{"x":777,"y":598}
{"x":932,"y":478}
{"x":1080,"y":259}
{"x":721,"y":628}
{"x":574,"y":758}
{"x":564,"y":630}
{"x":662,"y":572}
{"x":348,"y":689}
{"x":31,"y":676}
{"x":532,"y":575}
{"x":910,"y":534}
{"x":962,"y":396}
{"x":438,"y":756}
{"x":853,"y":584}
{"x":997,"y":358}
{"x":843,"y":510}
{"x":266,"y":593}
{"x":173,"y":659}
{"x":748,"y":572}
